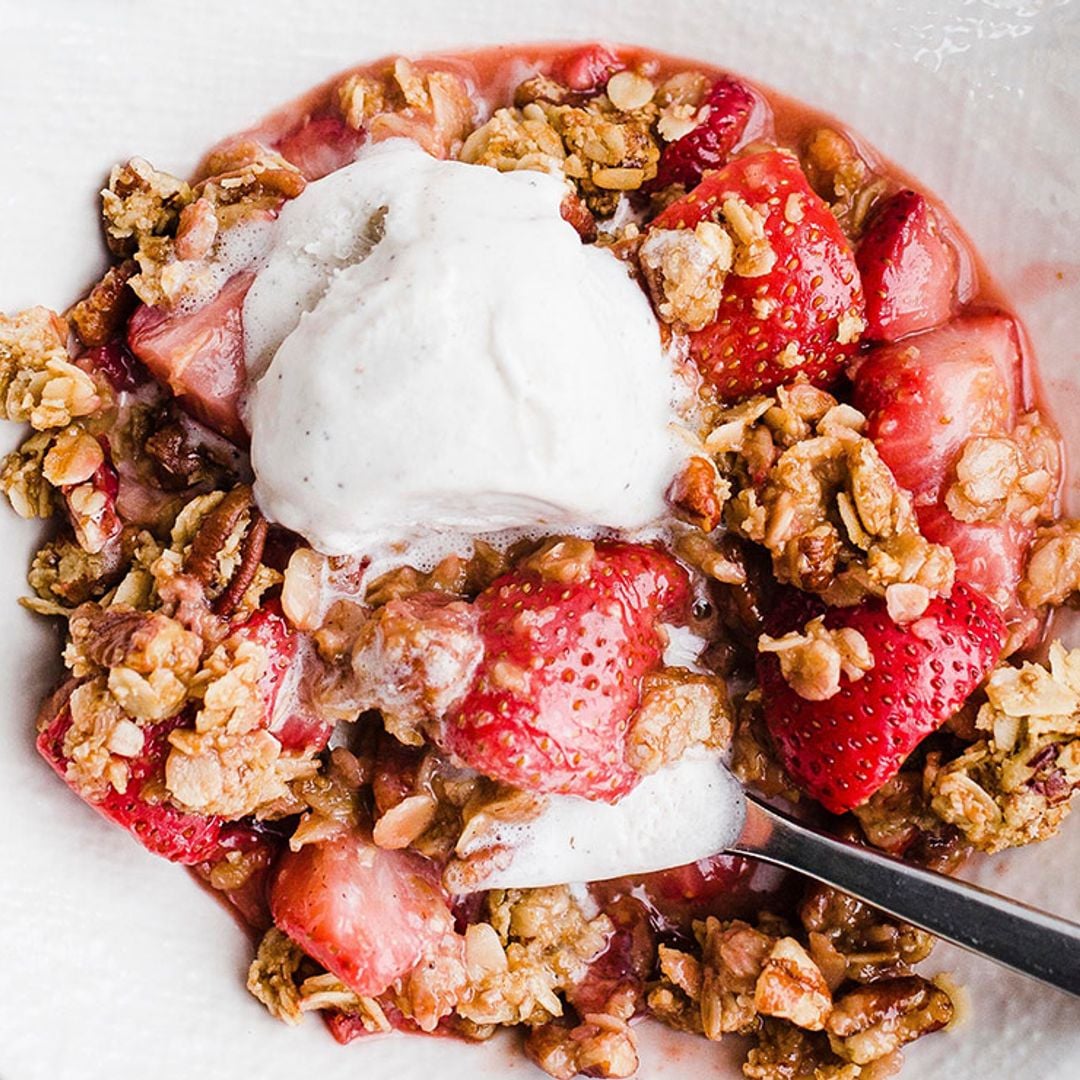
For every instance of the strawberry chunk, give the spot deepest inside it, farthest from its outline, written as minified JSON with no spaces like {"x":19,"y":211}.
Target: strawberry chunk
{"x":199,"y":355}
{"x":724,"y":116}
{"x":367,"y":914}
{"x":565,"y":649}
{"x":116,"y":363}
{"x":909,"y":270}
{"x":802,"y":317}
{"x":925,"y":397}
{"x":161,"y":828}
{"x":320,"y":146}
{"x":990,"y":555}
{"x":842,"y":749}
{"x":587,"y":70}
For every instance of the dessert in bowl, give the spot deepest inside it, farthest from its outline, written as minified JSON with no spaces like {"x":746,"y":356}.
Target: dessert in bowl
{"x":547,"y":424}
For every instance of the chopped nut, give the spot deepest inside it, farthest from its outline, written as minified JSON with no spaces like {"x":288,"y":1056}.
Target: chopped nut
{"x":698,"y":494}
{"x":792,"y":987}
{"x":100,"y":315}
{"x":870,"y":1022}
{"x":566,"y":560}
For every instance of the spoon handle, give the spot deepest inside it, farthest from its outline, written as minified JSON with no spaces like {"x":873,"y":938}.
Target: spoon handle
{"x":1023,"y":938}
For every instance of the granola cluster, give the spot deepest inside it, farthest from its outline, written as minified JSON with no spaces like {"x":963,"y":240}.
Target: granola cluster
{"x":805,"y":483}
{"x":814,"y":1008}
{"x":1014,"y":783}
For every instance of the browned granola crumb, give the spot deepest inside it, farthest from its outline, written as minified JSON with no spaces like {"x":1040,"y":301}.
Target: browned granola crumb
{"x":678,"y":709}
{"x":99,"y":316}
{"x":39,"y":383}
{"x":413,"y":659}
{"x":1014,"y":785}
{"x":812,"y":661}
{"x":1053,"y":568}
{"x":873,"y":1021}
{"x":139,"y":202}
{"x":601,"y":1045}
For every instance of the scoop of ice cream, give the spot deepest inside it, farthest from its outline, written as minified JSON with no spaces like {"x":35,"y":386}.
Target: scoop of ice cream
{"x":435,"y":348}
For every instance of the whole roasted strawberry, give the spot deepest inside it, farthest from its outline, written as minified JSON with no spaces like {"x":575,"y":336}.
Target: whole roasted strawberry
{"x":792,"y":305}
{"x":567,"y":637}
{"x":841,"y":749}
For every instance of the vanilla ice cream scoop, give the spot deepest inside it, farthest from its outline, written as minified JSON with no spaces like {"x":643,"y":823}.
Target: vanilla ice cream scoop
{"x":436,"y":349}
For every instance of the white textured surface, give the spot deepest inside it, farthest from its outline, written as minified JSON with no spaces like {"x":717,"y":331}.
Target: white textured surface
{"x":115,"y":965}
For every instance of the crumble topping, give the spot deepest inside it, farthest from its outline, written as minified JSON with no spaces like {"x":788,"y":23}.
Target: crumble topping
{"x":995,"y":479}
{"x":679,"y":709}
{"x":1013,"y":785}
{"x":597,"y":146}
{"x":414,"y":659}
{"x":1053,"y":568}
{"x":39,"y":384}
{"x":432,"y":107}
{"x":536,"y":942}
{"x":140,"y":202}
{"x":813,"y":490}
{"x":685,"y":270}
{"x":812,"y":662}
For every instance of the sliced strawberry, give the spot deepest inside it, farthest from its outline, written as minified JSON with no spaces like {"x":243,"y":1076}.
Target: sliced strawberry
{"x":842,"y":749}
{"x":925,"y":397}
{"x":909,"y":270}
{"x":990,"y":555}
{"x":161,"y":828}
{"x":289,"y":717}
{"x":321,"y":145}
{"x":199,"y":355}
{"x":787,"y":322}
{"x":723,"y":117}
{"x":588,"y":69}
{"x":564,"y":655}
{"x":367,"y":914}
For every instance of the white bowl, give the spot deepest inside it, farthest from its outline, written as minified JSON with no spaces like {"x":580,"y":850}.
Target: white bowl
{"x":114,"y":963}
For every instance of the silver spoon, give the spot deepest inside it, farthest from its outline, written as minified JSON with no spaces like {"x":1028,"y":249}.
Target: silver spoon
{"x":698,"y":809}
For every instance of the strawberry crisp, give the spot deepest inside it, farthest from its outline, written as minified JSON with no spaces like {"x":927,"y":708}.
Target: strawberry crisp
{"x":333,"y":685}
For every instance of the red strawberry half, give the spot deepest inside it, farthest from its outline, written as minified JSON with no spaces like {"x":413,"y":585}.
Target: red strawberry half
{"x":161,"y":828}
{"x":787,"y":322}
{"x":724,"y":114}
{"x":587,"y":70}
{"x":909,"y":270}
{"x":842,"y":749}
{"x":367,"y":914}
{"x":562,"y":668}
